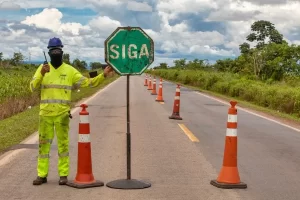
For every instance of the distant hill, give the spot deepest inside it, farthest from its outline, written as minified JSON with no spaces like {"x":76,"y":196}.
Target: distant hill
{"x":33,"y":62}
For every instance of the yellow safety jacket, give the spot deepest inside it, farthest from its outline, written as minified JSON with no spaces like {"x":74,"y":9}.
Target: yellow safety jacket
{"x":56,"y":87}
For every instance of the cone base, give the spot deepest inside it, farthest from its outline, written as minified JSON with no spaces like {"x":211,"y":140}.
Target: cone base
{"x":149,"y":89}
{"x":128,"y":184}
{"x":177,"y":117}
{"x":153,"y":93}
{"x":85,"y":185}
{"x":159,"y":100}
{"x":217,"y":184}
{"x":145,"y":85}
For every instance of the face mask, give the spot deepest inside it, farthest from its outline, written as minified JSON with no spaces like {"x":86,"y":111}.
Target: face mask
{"x":56,"y":59}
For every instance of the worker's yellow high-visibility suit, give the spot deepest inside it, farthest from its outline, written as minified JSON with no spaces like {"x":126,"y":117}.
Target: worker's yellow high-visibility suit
{"x":56,"y":87}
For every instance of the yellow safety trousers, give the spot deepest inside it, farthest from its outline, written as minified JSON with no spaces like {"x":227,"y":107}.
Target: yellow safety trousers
{"x":49,"y":125}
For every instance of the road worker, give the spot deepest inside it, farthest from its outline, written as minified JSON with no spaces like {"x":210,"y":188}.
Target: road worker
{"x":56,"y":81}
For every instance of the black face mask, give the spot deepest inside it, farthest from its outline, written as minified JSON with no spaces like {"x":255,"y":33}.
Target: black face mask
{"x":56,"y":59}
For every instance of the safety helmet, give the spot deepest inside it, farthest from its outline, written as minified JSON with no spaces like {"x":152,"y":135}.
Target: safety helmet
{"x":55,"y":43}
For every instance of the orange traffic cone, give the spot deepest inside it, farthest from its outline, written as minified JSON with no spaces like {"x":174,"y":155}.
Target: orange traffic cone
{"x":84,"y":177}
{"x":150,"y":84}
{"x":229,"y":174}
{"x":154,"y":87}
{"x":176,"y":107}
{"x":146,"y":81}
{"x":160,"y":92}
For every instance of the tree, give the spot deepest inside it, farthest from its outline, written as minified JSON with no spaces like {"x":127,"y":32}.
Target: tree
{"x":1,"y":58}
{"x":180,"y":63}
{"x":161,"y":66}
{"x":66,"y":58}
{"x":81,"y":65}
{"x":245,"y":48}
{"x":95,"y":65}
{"x":17,"y":59}
{"x":262,"y":30}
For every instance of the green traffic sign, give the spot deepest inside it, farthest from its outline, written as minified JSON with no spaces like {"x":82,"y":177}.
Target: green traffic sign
{"x":129,"y":50}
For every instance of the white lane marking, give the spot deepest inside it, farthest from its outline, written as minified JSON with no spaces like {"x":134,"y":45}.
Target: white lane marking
{"x":258,"y":115}
{"x":243,"y":109}
{"x":10,"y":155}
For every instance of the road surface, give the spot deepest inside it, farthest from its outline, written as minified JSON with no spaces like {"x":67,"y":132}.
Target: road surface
{"x":163,"y":154}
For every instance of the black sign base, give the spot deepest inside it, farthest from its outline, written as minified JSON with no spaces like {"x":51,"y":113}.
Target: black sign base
{"x":128,"y":184}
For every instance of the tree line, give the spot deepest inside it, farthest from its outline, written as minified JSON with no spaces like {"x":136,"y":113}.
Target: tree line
{"x":270,"y":58}
{"x":18,"y":60}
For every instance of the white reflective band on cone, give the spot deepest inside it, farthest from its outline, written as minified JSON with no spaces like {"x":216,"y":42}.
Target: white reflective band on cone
{"x":84,"y":138}
{"x":177,"y":90}
{"x":232,"y":118}
{"x":160,"y":86}
{"x":177,"y":97}
{"x":231,"y":132}
{"x":84,"y":119}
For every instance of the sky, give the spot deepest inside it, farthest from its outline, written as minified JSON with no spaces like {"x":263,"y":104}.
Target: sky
{"x":202,"y":29}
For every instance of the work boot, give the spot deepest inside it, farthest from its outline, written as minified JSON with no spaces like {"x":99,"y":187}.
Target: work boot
{"x":63,"y":180}
{"x":40,"y":180}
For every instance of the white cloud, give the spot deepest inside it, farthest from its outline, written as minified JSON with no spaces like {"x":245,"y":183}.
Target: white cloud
{"x":239,"y":16}
{"x":185,"y":6}
{"x":175,"y":39}
{"x":104,"y":24}
{"x":76,"y":37}
{"x":35,"y":52}
{"x":207,"y":50}
{"x":48,"y":18}
{"x":100,"y":4}
{"x":137,"y":6}
{"x":6,"y":5}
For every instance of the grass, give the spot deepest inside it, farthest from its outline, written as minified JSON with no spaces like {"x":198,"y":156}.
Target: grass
{"x":18,"y":127}
{"x":15,"y":95}
{"x":277,"y":99}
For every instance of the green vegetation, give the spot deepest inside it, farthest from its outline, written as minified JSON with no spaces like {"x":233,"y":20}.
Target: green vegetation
{"x":19,"y":107}
{"x":15,"y":95}
{"x":266,"y":75}
{"x":18,"y":127}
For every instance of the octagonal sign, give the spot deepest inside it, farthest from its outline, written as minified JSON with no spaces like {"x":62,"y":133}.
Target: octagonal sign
{"x":129,"y":50}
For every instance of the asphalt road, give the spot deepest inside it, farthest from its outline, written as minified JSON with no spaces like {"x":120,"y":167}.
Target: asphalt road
{"x":162,"y":154}
{"x":268,"y":153}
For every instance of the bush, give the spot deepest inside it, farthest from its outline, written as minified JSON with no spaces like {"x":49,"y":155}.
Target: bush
{"x":284,"y":97}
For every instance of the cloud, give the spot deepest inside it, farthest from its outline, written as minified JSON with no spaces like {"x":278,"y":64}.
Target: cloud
{"x":104,"y":24}
{"x":268,"y":2}
{"x":203,"y":29}
{"x":136,"y":6}
{"x":48,"y":18}
{"x":6,"y":5}
{"x":35,"y":31}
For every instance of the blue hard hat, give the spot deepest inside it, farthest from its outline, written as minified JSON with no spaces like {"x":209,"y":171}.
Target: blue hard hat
{"x":55,"y":42}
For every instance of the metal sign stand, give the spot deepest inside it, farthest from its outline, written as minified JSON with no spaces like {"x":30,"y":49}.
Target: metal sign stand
{"x":128,"y":183}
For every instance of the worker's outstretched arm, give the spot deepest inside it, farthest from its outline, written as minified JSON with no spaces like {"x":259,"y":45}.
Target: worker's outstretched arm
{"x":36,"y":80}
{"x":80,"y":81}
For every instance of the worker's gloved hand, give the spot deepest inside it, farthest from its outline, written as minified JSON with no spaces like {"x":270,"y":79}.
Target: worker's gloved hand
{"x":45,"y":69}
{"x":107,"y":70}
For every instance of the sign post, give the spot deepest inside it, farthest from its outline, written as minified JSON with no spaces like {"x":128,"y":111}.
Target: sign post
{"x":129,"y":51}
